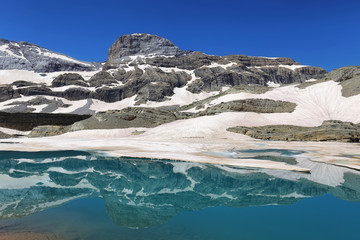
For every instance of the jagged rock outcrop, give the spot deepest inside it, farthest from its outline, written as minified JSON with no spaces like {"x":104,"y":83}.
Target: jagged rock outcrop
{"x":101,"y":78}
{"x":27,"y":56}
{"x":189,"y":61}
{"x":67,"y":79}
{"x":349,"y":78}
{"x":139,"y":44}
{"x":328,"y":131}
{"x":148,"y":68}
{"x":7,"y":93}
{"x":213,"y":79}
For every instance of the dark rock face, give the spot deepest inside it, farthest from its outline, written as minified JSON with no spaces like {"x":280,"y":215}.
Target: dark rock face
{"x":328,"y":131}
{"x":7,"y":93}
{"x":190,"y":61}
{"x":27,"y":121}
{"x":75,"y":94}
{"x":101,"y":78}
{"x":67,"y":79}
{"x":286,"y":76}
{"x":27,"y":56}
{"x":140,"y":44}
{"x":150,"y":85}
{"x":213,"y":79}
{"x":250,"y":61}
{"x":21,"y":83}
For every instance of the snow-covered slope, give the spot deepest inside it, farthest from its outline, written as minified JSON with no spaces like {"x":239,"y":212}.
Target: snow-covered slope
{"x":27,"y":56}
{"x":141,"y":70}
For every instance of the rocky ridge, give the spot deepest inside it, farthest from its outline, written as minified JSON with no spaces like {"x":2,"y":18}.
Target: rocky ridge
{"x":147,"y":68}
{"x":27,"y":56}
{"x":143,"y":70}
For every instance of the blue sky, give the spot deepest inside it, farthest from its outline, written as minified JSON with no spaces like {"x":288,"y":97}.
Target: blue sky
{"x":318,"y":32}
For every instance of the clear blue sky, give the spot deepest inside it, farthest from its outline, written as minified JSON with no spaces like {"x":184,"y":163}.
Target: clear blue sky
{"x":323,"y":33}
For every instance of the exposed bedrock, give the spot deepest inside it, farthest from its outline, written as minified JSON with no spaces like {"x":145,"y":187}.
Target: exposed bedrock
{"x":4,"y":135}
{"x":69,"y":79}
{"x":152,"y":117}
{"x":328,"y":131}
{"x":213,"y":79}
{"x":28,"y":106}
{"x":101,"y":78}
{"x":27,"y":121}
{"x":148,"y":68}
{"x":125,"y":118}
{"x":139,"y":44}
{"x":250,"y":105}
{"x":349,"y":78}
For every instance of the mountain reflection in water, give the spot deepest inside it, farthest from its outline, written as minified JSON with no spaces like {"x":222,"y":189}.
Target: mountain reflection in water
{"x":141,"y":193}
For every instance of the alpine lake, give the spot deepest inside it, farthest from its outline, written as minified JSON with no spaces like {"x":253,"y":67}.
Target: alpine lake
{"x":90,"y":195}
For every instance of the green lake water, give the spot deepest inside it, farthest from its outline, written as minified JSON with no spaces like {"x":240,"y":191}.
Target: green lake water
{"x":86,"y":195}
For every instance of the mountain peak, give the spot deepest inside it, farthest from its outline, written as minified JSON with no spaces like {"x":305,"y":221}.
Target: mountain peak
{"x":27,"y":56}
{"x":141,"y":44}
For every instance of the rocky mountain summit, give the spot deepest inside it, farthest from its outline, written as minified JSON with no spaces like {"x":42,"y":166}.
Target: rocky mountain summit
{"x":143,"y":67}
{"x":147,"y":81}
{"x":145,"y":45}
{"x":27,"y":56}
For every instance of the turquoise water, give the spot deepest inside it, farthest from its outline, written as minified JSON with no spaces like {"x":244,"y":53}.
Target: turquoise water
{"x":82,"y":195}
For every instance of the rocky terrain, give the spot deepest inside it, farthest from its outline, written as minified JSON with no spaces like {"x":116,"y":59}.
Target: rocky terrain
{"x":140,"y":117}
{"x":328,"y":131}
{"x":141,"y":67}
{"x":27,"y":121}
{"x":27,"y":56}
{"x":147,"y":81}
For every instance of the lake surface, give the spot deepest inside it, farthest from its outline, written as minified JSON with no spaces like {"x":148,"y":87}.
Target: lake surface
{"x":88,"y":195}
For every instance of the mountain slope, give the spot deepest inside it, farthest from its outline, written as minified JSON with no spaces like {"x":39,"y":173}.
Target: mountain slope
{"x":141,"y":70}
{"x":27,"y":56}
